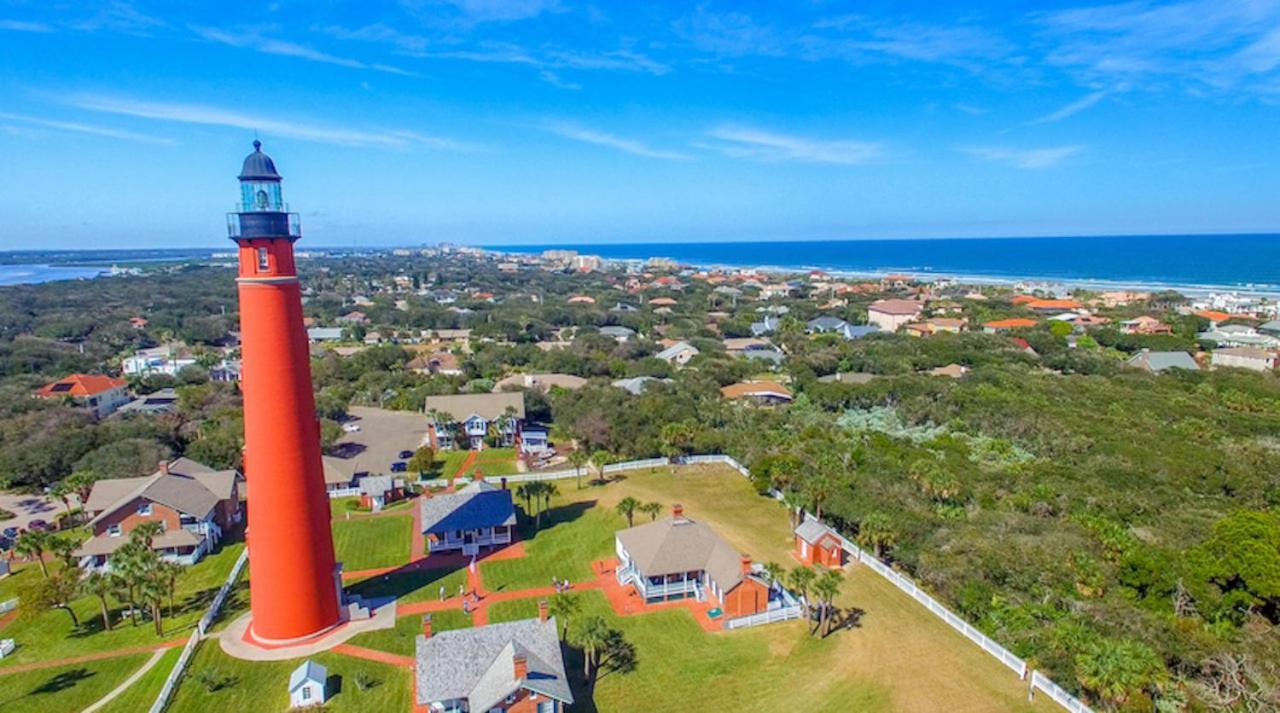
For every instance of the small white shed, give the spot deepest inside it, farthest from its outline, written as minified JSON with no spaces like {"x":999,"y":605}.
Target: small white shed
{"x":306,"y":685}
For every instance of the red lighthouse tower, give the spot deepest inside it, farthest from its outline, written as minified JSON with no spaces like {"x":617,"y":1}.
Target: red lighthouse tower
{"x":294,"y":586}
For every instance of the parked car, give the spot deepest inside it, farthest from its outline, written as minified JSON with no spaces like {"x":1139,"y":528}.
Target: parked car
{"x":5,"y":543}
{"x":39,"y":525}
{"x":406,"y":454}
{"x":351,"y":427}
{"x":10,"y":532}
{"x":399,"y":467}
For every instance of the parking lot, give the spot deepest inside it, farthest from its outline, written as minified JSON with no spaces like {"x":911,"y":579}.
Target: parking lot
{"x":383,"y":435}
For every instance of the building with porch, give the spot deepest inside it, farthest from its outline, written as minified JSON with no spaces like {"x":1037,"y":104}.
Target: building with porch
{"x":512,"y":667}
{"x":467,"y":420}
{"x":100,"y":395}
{"x":194,"y":504}
{"x":474,"y":517}
{"x":679,"y":558}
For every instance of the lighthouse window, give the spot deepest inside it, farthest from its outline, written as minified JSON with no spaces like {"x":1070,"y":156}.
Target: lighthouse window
{"x":262,"y":200}
{"x":263,"y":263}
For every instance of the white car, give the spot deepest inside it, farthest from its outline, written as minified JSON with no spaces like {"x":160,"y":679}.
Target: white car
{"x":351,"y":427}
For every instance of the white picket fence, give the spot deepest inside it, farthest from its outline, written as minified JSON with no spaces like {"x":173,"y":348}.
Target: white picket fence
{"x":766,"y":617}
{"x":8,"y":606}
{"x":179,"y":668}
{"x":636,"y":465}
{"x":903,"y":582}
{"x":344,"y":492}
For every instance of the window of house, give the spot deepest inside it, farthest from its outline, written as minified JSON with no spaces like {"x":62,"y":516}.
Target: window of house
{"x":306,"y":693}
{"x":114,"y":531}
{"x":547,"y":707}
{"x":144,"y":509}
{"x":264,"y":262}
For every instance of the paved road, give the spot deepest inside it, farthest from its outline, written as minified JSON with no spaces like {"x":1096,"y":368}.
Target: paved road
{"x":28,"y":508}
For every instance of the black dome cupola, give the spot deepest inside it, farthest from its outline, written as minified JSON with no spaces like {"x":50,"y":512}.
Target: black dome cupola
{"x":258,"y":166}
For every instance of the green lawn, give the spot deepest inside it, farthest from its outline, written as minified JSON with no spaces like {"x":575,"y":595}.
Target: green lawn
{"x":51,"y":635}
{"x":143,"y":692}
{"x":681,"y":667}
{"x":65,"y":689}
{"x":373,"y":541}
{"x":449,"y":462}
{"x":574,"y":533}
{"x":415,"y":586}
{"x":263,"y":685}
{"x":400,"y":640}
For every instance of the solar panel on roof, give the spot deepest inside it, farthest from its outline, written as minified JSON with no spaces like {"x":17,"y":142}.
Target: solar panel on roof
{"x":61,"y":387}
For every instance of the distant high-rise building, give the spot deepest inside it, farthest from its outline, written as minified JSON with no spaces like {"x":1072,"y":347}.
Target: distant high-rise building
{"x":295,"y":582}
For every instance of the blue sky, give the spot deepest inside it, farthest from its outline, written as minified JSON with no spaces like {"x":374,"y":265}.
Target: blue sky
{"x":530,"y":121}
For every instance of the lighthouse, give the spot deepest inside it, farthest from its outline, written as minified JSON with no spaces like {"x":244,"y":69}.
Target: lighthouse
{"x":295,"y":583}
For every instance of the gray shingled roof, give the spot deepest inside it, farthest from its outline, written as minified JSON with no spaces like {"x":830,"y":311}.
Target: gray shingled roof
{"x":486,"y":406}
{"x":308,"y":671}
{"x":674,"y":350}
{"x":812,"y":530}
{"x":189,"y":487}
{"x":1159,"y":361}
{"x":678,"y":545}
{"x":479,"y":504}
{"x":478,"y":664}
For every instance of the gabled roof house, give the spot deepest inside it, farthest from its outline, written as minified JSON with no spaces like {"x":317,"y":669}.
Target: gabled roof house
{"x":475,"y":516}
{"x":462,"y":420}
{"x":514,"y":666}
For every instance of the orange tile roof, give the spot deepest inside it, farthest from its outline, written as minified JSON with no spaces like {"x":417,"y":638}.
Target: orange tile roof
{"x":1023,"y":299}
{"x":1014,"y":323}
{"x":1053,"y":304}
{"x":662,"y":301}
{"x":80,"y":385}
{"x":1213,"y":316}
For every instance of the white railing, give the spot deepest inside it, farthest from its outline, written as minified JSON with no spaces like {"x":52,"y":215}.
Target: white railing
{"x":548,"y":475}
{"x":1059,"y":696}
{"x":794,"y":611}
{"x":179,"y":668}
{"x":344,"y":492}
{"x":901,"y":581}
{"x":636,"y":465}
{"x":8,"y":606}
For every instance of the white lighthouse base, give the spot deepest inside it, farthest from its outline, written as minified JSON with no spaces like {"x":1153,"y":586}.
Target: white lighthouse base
{"x":237,"y":640}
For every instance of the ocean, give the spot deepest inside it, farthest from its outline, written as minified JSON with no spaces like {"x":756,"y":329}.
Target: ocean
{"x":1189,"y":262}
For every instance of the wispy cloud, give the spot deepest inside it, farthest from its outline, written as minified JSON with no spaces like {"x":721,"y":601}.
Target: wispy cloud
{"x":555,"y":80}
{"x":969,"y":109}
{"x":1072,"y":109}
{"x":759,"y":145}
{"x":480,"y":11}
{"x":1201,"y":44}
{"x":302,"y":130}
{"x":1023,"y":158}
{"x":24,"y":26}
{"x":253,"y":40}
{"x":79,"y":128}
{"x":621,"y":60}
{"x":601,"y":138}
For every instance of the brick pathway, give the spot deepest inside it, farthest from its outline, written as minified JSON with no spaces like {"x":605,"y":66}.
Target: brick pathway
{"x":470,"y":460}
{"x":116,"y":653}
{"x":361,"y":652}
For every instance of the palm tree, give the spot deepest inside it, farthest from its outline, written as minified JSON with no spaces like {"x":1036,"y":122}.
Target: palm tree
{"x":147,"y":532}
{"x":152,"y":590}
{"x":800,"y":580}
{"x":100,"y":586}
{"x":875,"y":531}
{"x":795,"y":506}
{"x":578,"y":458}
{"x":563,"y":607}
{"x":594,"y":635}
{"x":64,"y":549}
{"x":169,"y":573}
{"x":525,"y":491}
{"x":81,"y":482}
{"x":651,"y":509}
{"x":548,"y":491}
{"x":627,"y":508}
{"x":32,"y":544}
{"x":826,"y":588}
{"x":774,"y":573}
{"x":1114,"y":670}
{"x":62,"y":490}
{"x":600,"y":459}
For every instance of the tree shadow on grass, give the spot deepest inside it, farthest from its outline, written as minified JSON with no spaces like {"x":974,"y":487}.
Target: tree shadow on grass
{"x":58,"y":682}
{"x":561,"y":515}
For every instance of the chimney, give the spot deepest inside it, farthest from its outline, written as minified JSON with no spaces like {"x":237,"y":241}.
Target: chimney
{"x":504,"y":482}
{"x":426,"y":626}
{"x":521,"y":665}
{"x":677,"y":511}
{"x":542,"y":610}
{"x":746,"y":564}
{"x":164,"y":467}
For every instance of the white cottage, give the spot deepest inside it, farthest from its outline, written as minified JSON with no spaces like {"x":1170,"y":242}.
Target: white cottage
{"x":307,"y":685}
